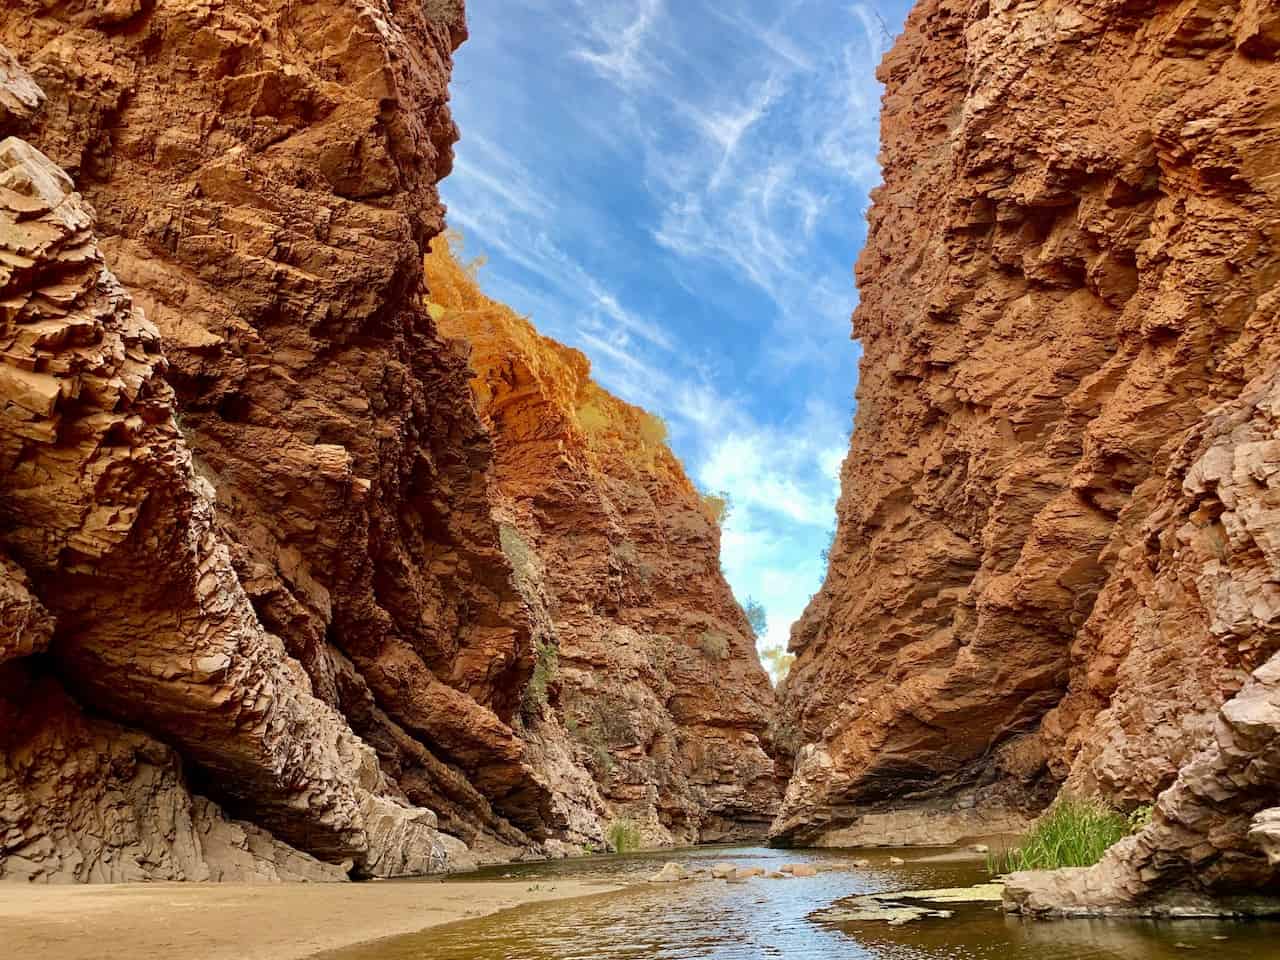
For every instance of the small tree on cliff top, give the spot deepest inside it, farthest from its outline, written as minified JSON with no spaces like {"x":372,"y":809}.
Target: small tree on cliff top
{"x":756,"y":616}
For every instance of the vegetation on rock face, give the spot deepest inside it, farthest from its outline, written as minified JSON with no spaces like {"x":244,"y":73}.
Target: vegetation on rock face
{"x":593,"y":418}
{"x":623,"y":836}
{"x":716,"y":507}
{"x":714,"y":645}
{"x":653,"y":430}
{"x":1074,"y":833}
{"x":778,"y":662}
{"x":518,"y":552}
{"x":1139,"y":819}
{"x":601,"y":514}
{"x":757,"y":616}
{"x":831,"y":545}
{"x":544,"y":671}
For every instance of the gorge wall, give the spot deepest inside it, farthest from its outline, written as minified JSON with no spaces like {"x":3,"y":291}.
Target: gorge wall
{"x":1058,"y":559}
{"x":648,"y":665}
{"x":276,"y":587}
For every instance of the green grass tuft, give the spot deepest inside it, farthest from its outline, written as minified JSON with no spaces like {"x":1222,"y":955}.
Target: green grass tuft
{"x":623,"y":836}
{"x":1074,"y":833}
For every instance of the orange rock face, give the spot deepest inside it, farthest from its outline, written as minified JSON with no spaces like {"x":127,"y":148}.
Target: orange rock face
{"x":648,"y":682}
{"x":1071,"y":269}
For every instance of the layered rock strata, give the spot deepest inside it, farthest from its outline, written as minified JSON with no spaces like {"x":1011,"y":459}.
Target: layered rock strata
{"x":1054,"y":561}
{"x":264,"y":177}
{"x":140,"y":610}
{"x":648,"y":683}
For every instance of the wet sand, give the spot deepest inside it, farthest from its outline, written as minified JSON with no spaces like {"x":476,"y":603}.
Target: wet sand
{"x":234,"y":922}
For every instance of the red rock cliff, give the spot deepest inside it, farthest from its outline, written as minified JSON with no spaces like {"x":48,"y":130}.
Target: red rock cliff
{"x":1056,"y":554}
{"x":648,"y":680}
{"x":263,"y":176}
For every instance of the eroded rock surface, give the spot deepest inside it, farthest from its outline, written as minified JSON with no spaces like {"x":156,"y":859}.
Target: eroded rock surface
{"x":106,"y":515}
{"x":648,"y":684}
{"x":264,"y":176}
{"x":1210,"y":556}
{"x":1070,"y":280}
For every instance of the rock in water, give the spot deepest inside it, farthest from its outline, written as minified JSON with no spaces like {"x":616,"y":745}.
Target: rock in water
{"x":671,"y":873}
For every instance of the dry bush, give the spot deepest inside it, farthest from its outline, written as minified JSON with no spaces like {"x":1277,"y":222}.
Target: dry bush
{"x":714,"y":645}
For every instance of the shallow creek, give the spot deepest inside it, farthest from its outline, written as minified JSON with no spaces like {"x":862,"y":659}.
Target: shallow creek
{"x":762,"y":918}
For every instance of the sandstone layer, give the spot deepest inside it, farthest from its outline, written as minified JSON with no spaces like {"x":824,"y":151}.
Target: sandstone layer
{"x":648,"y":681}
{"x":1056,"y":560}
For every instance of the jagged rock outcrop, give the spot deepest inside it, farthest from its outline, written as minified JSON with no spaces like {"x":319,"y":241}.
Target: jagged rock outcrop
{"x":264,"y":177}
{"x":1041,"y":574}
{"x":648,"y":688}
{"x":106,"y":515}
{"x":1203,"y":587}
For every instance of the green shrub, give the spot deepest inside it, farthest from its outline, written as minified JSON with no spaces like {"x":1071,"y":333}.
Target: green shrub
{"x":778,"y":662}
{"x":1074,"y":833}
{"x":831,"y":545}
{"x":1139,"y":819}
{"x":600,"y":753}
{"x":604,"y":728}
{"x":623,"y":835}
{"x":714,"y":645}
{"x":653,"y":430}
{"x":544,"y":671}
{"x":757,"y":616}
{"x":716,"y":508}
{"x":593,"y":418}
{"x":518,"y":552}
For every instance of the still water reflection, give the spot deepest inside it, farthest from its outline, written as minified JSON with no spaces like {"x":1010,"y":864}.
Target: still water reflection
{"x":712,"y":920}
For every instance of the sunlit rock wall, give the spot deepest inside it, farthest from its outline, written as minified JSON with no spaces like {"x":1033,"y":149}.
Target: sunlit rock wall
{"x":1070,"y":284}
{"x":650,"y":697}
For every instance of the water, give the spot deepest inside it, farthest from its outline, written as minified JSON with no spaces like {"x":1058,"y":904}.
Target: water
{"x":761,"y":919}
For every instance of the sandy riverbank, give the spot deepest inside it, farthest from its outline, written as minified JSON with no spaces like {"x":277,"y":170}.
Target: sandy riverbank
{"x":232,"y":922}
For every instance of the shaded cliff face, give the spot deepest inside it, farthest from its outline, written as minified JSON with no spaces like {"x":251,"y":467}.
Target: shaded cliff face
{"x":1072,"y":266}
{"x":140,"y":609}
{"x":303,"y":557}
{"x":648,"y":677}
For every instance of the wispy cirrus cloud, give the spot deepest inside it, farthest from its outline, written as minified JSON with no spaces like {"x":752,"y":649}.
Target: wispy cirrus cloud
{"x":616,"y":38}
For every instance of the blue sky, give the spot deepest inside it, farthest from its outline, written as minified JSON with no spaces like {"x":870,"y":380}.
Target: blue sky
{"x":678,"y":188}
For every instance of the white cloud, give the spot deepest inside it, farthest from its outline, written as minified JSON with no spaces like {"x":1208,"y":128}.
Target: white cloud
{"x":616,"y":46}
{"x":771,"y":37}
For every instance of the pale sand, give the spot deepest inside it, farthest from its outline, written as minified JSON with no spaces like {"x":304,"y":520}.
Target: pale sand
{"x":165,"y":921}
